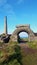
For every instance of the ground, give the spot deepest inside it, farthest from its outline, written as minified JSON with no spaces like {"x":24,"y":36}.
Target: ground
{"x":14,"y":53}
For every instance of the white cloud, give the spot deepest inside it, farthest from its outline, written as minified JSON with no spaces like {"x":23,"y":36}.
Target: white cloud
{"x":6,"y":7}
{"x":20,"y":1}
{"x":2,"y":2}
{"x":23,"y":34}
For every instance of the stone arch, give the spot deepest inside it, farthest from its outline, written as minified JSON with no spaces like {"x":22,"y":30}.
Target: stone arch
{"x":21,"y":28}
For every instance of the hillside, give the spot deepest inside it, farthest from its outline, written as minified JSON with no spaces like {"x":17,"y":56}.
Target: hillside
{"x":18,"y":54}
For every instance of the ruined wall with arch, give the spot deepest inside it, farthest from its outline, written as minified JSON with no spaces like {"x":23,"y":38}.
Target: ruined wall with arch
{"x":23,"y":28}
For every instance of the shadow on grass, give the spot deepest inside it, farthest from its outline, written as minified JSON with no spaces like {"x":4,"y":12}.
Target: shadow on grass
{"x":16,"y":55}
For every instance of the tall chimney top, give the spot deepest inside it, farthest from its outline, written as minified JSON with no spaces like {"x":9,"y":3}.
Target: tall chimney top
{"x":5,"y":24}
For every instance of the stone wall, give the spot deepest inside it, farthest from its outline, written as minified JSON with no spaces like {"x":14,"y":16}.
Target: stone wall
{"x":23,"y":28}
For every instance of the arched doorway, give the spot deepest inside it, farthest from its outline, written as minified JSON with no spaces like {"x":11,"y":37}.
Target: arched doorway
{"x":23,"y":37}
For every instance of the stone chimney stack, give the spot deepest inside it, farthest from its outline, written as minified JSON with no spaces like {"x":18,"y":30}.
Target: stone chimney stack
{"x":5,"y":24}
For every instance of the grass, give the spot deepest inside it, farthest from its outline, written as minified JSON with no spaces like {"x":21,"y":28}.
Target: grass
{"x":32,"y":45}
{"x":12,"y":54}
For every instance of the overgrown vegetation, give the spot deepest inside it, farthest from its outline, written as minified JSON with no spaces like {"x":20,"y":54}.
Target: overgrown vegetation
{"x":11,"y":55}
{"x":32,"y":45}
{"x":14,"y":54}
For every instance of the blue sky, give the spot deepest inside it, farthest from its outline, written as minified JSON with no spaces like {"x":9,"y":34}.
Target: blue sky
{"x":23,"y":35}
{"x":18,"y":12}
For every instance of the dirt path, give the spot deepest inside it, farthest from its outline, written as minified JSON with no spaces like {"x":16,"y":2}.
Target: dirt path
{"x":23,"y":45}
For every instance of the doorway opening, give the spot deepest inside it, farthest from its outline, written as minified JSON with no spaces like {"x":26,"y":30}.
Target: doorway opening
{"x":23,"y":37}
